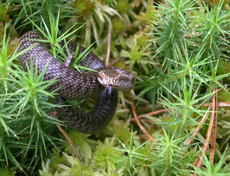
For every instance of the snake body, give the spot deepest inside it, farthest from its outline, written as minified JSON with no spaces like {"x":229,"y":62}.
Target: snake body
{"x":71,"y":84}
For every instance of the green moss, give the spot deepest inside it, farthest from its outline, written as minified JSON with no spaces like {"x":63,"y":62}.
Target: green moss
{"x":106,"y":157}
{"x":122,"y":6}
{"x":84,"y":8}
{"x":4,"y":17}
{"x":118,"y":26}
{"x":178,"y":50}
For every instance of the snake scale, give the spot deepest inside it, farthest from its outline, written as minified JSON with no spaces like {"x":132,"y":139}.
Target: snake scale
{"x":71,"y":84}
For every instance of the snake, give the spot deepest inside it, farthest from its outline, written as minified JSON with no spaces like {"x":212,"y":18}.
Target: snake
{"x":102,"y":83}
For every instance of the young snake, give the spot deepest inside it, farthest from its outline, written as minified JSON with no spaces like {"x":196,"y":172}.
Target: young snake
{"x":71,"y":84}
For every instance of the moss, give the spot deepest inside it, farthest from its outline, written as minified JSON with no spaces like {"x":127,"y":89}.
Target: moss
{"x":178,"y":50}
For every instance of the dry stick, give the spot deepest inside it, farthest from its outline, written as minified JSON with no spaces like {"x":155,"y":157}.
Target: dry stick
{"x":195,"y":162}
{"x":139,"y":124}
{"x":54,"y":115}
{"x":212,"y":152}
{"x":108,"y":47}
{"x":151,"y":113}
{"x":199,"y":126}
{"x":197,"y":130}
{"x":166,"y":4}
{"x":219,"y":104}
{"x":113,"y":62}
{"x":222,"y":104}
{"x":209,"y":132}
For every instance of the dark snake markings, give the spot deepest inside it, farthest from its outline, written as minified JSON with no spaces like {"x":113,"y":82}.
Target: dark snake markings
{"x":74,"y":85}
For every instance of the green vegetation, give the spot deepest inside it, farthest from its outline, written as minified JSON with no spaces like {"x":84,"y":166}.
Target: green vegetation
{"x":179,"y":51}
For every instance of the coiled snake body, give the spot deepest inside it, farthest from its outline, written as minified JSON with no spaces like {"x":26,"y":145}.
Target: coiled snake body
{"x":71,"y":84}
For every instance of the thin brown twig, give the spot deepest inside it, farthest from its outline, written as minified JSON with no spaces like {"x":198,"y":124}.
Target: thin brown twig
{"x":54,"y":115}
{"x":195,"y":162}
{"x":139,"y":124}
{"x":151,"y":113}
{"x":108,"y":47}
{"x":209,"y":132}
{"x":219,"y":104}
{"x":113,"y":62}
{"x":199,"y":126}
{"x":166,"y":4}
{"x":213,"y":144}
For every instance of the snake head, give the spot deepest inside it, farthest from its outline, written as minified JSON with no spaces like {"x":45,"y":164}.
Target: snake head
{"x":116,"y":78}
{"x":109,"y":78}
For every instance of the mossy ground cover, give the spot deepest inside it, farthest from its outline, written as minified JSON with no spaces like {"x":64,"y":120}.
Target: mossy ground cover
{"x":176,"y":121}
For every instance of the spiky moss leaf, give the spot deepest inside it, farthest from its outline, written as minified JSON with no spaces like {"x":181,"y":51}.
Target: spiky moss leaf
{"x":138,"y":54}
{"x":145,"y":159}
{"x":150,"y":16}
{"x":84,"y":145}
{"x":134,"y":159}
{"x":123,"y":133}
{"x":169,"y":121}
{"x":82,"y":169}
{"x":223,"y":68}
{"x":84,"y":7}
{"x":33,"y":10}
{"x":106,"y":157}
{"x":7,"y":57}
{"x":169,"y":30}
{"x":221,"y":168}
{"x":95,"y":17}
{"x":216,"y":2}
{"x":77,"y":168}
{"x":223,"y":132}
{"x":118,"y":26}
{"x":139,"y":49}
{"x":224,"y":96}
{"x":4,"y":17}
{"x":1,"y":31}
{"x":51,"y":164}
{"x":169,"y":157}
{"x":71,"y":166}
{"x":213,"y":27}
{"x":6,"y":171}
{"x":122,"y":6}
{"x":45,"y":169}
